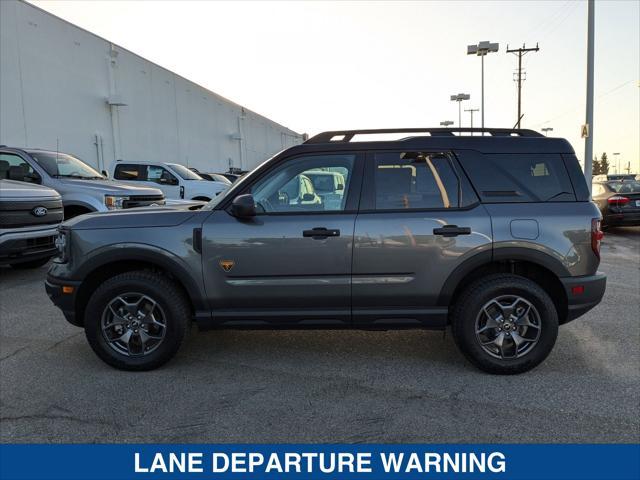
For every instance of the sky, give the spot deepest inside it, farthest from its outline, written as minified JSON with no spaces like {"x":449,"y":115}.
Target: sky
{"x":323,"y":65}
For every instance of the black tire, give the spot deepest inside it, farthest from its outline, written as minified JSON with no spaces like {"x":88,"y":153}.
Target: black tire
{"x":468,"y":309}
{"x":30,"y":264}
{"x":164,"y":292}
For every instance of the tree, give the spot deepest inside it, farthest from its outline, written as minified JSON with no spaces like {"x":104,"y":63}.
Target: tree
{"x":604,"y":164}
{"x":596,"y":167}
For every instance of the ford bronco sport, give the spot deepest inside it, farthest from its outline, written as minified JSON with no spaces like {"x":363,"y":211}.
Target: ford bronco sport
{"x":492,"y":234}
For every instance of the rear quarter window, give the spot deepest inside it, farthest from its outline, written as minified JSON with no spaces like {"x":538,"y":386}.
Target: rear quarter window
{"x":513,"y":178}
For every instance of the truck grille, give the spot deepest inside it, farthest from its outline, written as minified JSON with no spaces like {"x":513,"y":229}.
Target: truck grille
{"x":143,"y":201}
{"x":15,"y":214}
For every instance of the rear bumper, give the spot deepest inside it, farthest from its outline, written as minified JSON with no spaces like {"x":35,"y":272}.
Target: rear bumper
{"x":64,"y":301}
{"x":593,"y":288}
{"x":622,"y":219}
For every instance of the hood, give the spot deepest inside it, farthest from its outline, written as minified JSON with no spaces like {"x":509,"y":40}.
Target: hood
{"x":109,"y":187}
{"x":14,"y":190}
{"x":143,"y":217}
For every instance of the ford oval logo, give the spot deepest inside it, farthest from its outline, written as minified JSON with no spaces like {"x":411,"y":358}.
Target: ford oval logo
{"x":39,"y":211}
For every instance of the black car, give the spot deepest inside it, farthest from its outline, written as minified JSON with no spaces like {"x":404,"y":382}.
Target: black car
{"x":619,"y":202}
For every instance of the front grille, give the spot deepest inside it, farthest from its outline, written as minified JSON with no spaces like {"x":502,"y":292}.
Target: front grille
{"x":143,"y":201}
{"x":16,"y":214}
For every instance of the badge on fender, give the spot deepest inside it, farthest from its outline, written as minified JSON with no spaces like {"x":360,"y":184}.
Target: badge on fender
{"x":227,"y":265}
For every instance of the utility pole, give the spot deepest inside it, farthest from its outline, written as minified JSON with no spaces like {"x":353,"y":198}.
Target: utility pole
{"x":471,"y":110}
{"x":520,"y":52}
{"x":588,"y":141}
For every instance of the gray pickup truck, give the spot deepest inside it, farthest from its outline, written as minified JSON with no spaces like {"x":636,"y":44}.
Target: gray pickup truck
{"x":29,"y":219}
{"x":493,"y":235}
{"x":82,"y":188}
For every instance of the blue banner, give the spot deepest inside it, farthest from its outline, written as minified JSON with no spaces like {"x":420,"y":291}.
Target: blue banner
{"x":295,"y":461}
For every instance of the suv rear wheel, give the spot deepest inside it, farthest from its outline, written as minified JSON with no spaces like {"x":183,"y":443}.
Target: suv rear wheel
{"x":136,"y":320}
{"x":505,"y":324}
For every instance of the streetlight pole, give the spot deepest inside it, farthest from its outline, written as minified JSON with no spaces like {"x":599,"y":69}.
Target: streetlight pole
{"x":459,"y":98}
{"x":588,"y":141}
{"x":481,"y":50}
{"x":546,"y":130}
{"x":617,"y":157}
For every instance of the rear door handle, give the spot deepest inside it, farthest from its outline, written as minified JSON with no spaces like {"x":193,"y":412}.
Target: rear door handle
{"x":321,"y":232}
{"x":452,"y":231}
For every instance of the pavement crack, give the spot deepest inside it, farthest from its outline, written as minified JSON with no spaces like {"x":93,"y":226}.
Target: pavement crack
{"x":63,"y":340}
{"x":14,"y":353}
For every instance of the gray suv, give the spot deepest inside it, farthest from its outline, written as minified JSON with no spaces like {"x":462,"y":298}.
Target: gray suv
{"x":492,"y":234}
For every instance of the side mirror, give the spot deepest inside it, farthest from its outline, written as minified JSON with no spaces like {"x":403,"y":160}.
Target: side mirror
{"x":243,"y":206}
{"x":308,"y":197}
{"x":339,"y":187}
{"x":105,"y":173}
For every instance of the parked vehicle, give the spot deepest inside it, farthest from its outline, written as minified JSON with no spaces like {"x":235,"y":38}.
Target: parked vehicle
{"x":213,"y":177}
{"x":618,"y":201}
{"x":29,"y":219}
{"x":82,"y":188}
{"x":230,"y":176}
{"x":175,"y":180}
{"x":492,"y":235}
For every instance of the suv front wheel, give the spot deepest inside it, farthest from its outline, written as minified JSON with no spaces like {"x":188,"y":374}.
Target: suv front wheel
{"x":504,"y":324}
{"x":136,"y":320}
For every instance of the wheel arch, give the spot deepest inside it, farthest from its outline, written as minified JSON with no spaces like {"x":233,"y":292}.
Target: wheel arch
{"x":539,"y":267}
{"x":110,"y":263}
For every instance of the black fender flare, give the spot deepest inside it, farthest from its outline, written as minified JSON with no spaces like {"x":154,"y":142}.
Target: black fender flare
{"x":537,"y":257}
{"x":150,"y":254}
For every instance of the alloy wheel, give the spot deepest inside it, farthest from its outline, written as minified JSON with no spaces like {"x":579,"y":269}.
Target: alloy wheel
{"x":508,"y":327}
{"x":133,"y":324}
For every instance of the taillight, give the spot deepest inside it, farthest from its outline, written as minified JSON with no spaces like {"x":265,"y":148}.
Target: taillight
{"x":618,"y":200}
{"x":596,"y":236}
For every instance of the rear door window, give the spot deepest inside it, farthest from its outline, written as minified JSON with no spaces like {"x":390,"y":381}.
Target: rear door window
{"x":508,"y":178}
{"x":414,"y":181}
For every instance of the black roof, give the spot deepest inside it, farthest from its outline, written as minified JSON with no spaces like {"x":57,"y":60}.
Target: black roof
{"x":488,"y":140}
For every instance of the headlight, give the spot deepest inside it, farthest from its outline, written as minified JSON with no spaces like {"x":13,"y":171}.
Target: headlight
{"x":114,"y":202}
{"x":63,"y":245}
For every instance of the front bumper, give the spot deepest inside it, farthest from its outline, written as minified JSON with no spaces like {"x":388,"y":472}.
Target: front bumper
{"x":64,"y":301}
{"x":28,"y":243}
{"x":583,"y":293}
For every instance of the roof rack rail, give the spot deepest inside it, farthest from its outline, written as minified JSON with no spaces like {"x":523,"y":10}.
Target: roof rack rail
{"x":346,"y":136}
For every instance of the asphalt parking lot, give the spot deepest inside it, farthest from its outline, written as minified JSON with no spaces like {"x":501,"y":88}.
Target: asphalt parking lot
{"x":408,"y":386}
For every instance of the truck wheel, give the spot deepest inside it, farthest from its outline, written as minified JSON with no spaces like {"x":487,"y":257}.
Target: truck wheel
{"x":504,"y":324}
{"x":30,"y":264}
{"x":136,"y":320}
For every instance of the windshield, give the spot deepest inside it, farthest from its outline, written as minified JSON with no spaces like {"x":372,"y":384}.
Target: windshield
{"x":625,"y":187}
{"x":184,"y":172}
{"x":64,"y":165}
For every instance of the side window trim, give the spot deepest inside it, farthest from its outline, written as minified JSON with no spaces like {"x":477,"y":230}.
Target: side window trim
{"x":353,"y":192}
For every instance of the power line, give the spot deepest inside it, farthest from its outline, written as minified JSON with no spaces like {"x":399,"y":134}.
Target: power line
{"x":570,"y":110}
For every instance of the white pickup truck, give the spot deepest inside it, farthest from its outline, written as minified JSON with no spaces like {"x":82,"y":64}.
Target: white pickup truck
{"x":176,"y":181}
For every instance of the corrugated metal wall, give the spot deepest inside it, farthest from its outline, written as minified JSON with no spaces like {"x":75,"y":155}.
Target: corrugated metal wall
{"x":57,"y":82}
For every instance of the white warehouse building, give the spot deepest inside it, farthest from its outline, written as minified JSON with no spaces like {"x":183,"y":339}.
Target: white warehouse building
{"x":66,"y":88}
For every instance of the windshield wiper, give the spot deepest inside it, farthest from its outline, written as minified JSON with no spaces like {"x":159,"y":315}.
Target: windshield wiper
{"x":557,"y":195}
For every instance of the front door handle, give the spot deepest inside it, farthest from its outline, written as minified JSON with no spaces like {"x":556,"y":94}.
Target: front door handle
{"x":452,"y":231}
{"x":321,"y":232}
